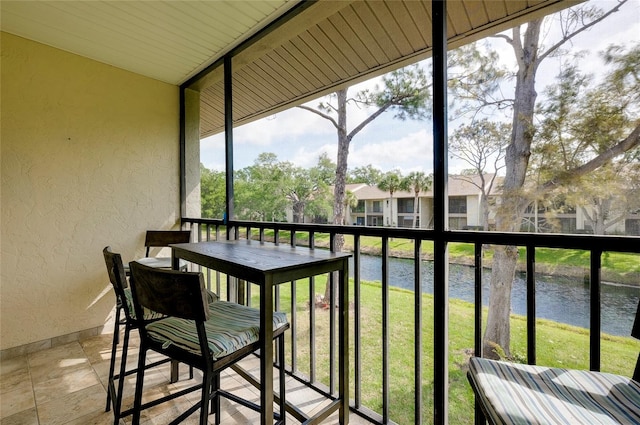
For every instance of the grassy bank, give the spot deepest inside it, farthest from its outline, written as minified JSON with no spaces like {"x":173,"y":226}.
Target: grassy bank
{"x":557,"y":345}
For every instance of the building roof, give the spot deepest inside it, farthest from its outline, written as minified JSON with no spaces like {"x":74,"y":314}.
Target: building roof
{"x":457,"y":186}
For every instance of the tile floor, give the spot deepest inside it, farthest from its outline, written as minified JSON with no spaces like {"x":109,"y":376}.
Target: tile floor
{"x":66,"y":385}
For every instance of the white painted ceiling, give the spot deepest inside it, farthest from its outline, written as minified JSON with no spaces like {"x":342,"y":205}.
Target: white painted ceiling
{"x":166,"y":40}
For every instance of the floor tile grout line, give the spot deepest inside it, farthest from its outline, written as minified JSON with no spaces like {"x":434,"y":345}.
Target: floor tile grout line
{"x":33,"y":389}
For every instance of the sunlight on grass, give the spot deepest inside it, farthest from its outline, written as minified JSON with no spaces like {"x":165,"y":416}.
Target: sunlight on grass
{"x":558,"y":345}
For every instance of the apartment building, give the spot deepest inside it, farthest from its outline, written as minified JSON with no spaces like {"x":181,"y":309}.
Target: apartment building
{"x":377,"y":208}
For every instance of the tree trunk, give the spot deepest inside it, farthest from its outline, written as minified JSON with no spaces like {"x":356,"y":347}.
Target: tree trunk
{"x":339,"y":192}
{"x":485,"y":212}
{"x":298,"y":212}
{"x":509,"y":214}
{"x":498,"y":329}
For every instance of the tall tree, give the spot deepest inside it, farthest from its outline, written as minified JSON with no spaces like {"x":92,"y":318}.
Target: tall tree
{"x":582,"y":121}
{"x":308,"y":189}
{"x":481,"y":144}
{"x":530,"y":53}
{"x":405,"y":91}
{"x":416,"y":182}
{"x":259,"y":189}
{"x":392,"y":182}
{"x":367,"y":174}
{"x":212,"y":192}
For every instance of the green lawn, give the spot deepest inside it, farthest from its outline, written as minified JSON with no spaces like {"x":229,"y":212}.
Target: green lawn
{"x":557,"y":345}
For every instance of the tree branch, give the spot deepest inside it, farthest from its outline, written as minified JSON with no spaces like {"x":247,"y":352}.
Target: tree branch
{"x":506,"y":37}
{"x":516,"y":43}
{"x":322,"y":114}
{"x":616,"y":220}
{"x":630,"y":142}
{"x":367,"y":120}
{"x":568,"y":37}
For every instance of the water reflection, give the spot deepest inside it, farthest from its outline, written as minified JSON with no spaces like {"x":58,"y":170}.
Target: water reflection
{"x":561,"y":299}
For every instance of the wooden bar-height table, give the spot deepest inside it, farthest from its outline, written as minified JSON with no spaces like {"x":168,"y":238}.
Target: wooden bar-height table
{"x":267,"y":265}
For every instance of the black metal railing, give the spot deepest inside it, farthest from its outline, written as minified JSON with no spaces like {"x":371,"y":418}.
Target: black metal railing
{"x":305,"y":234}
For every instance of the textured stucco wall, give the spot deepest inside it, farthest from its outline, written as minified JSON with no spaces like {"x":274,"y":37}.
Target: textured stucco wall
{"x":89,"y":158}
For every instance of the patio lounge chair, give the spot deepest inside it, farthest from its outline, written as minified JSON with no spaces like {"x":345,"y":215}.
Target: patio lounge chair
{"x":512,"y":393}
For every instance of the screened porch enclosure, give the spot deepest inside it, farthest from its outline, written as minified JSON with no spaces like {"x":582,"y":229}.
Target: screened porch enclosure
{"x":104,"y":110}
{"x":426,"y":398}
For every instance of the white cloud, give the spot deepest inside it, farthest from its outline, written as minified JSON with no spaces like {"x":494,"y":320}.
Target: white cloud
{"x":408,"y":151}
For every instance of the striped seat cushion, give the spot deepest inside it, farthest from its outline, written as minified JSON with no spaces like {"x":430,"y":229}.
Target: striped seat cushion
{"x":521,"y":394}
{"x":152,"y":315}
{"x":230,"y":327}
{"x":148,"y":314}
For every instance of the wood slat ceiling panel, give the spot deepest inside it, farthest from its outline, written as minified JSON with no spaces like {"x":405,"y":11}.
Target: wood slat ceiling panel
{"x":476,"y":12}
{"x":380,"y":37}
{"x":410,"y":25}
{"x":281,"y":87}
{"x":212,"y":100}
{"x":496,"y":10}
{"x":302,"y":64}
{"x":366,"y":40}
{"x":320,"y":47}
{"x":361,"y":55}
{"x":360,"y":40}
{"x":288,"y":72}
{"x":458,"y":19}
{"x":388,"y":14}
{"x":421,"y":14}
{"x":250,"y":79}
{"x":242,"y":109}
{"x":322,"y":53}
{"x":514,"y":6}
{"x":340,"y":37}
{"x":323,"y":71}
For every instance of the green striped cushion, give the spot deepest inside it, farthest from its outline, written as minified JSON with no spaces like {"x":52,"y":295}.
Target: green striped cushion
{"x":148,"y":314}
{"x":152,"y":315}
{"x":521,"y":394}
{"x":230,"y":327}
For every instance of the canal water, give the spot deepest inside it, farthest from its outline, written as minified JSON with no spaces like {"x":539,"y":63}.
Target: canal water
{"x":561,"y":299}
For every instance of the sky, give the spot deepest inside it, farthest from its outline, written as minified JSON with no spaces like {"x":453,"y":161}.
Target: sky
{"x":386,"y":143}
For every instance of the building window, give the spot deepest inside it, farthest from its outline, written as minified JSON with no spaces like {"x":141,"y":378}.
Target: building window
{"x":374,"y":221}
{"x":377,"y":206}
{"x":632,"y":226}
{"x":457,"y":223}
{"x":360,"y":207}
{"x":568,"y":225}
{"x":405,"y":205}
{"x":408,"y":222}
{"x":458,"y":205}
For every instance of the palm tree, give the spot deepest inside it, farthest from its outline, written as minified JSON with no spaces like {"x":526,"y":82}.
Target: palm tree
{"x":391,"y":182}
{"x":416,"y":182}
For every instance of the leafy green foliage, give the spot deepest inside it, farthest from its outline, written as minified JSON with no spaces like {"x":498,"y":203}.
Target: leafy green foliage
{"x":212,"y":192}
{"x":367,"y":174}
{"x":405,"y":91}
{"x":582,"y":121}
{"x":266,"y":190}
{"x":391,"y":182}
